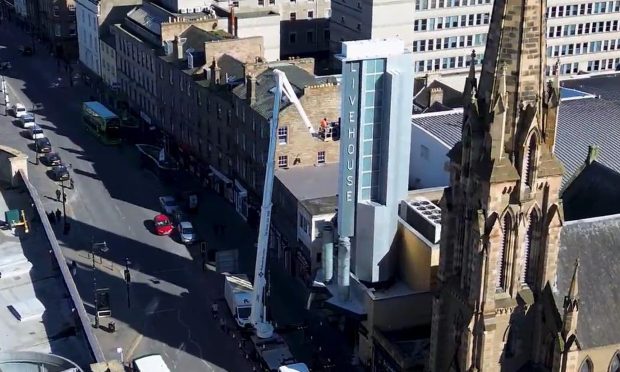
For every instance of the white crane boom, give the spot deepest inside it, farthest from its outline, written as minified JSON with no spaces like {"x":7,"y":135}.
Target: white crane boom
{"x":258,"y":317}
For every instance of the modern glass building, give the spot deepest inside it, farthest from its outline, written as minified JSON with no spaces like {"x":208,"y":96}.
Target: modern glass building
{"x":377,"y":88}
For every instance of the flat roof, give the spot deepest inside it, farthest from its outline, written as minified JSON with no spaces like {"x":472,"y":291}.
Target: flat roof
{"x":310,"y":182}
{"x":34,"y":291}
{"x":100,"y":109}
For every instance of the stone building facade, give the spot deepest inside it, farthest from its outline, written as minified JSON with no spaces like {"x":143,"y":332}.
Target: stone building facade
{"x":501,"y":213}
{"x":252,"y":105}
{"x":509,"y":268}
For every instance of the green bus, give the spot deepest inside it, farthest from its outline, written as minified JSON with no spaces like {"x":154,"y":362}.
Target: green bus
{"x":102,"y":122}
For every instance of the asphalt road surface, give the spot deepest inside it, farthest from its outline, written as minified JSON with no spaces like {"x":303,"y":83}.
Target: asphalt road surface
{"x":167,"y":310}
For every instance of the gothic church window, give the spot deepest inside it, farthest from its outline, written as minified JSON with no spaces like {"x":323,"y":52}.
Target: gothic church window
{"x":614,"y":366}
{"x":529,"y":161}
{"x":530,"y":250}
{"x":502,"y":257}
{"x":586,"y":366}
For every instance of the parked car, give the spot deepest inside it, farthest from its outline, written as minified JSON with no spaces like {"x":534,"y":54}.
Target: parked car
{"x":169,"y":205}
{"x":19,"y":110}
{"x":43,"y":145}
{"x":186,"y":232}
{"x":60,"y":173}
{"x":26,"y":50}
{"x":5,"y":65}
{"x":36,"y":132}
{"x":51,"y":159}
{"x":27,"y":120}
{"x":163,"y":225}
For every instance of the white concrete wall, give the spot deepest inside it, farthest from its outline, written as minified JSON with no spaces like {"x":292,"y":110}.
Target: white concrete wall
{"x":268,"y":27}
{"x":87,"y":20}
{"x":427,"y":161}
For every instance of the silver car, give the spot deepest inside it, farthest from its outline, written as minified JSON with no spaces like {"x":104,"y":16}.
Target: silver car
{"x":186,"y":232}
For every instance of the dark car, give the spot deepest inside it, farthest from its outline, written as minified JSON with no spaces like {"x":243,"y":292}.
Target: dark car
{"x":43,"y":145}
{"x":26,"y":50}
{"x":60,"y":173}
{"x":51,"y":159}
{"x":5,"y":65}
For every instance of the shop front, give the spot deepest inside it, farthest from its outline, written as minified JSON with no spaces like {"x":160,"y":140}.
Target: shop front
{"x":221,"y":184}
{"x":241,"y":200}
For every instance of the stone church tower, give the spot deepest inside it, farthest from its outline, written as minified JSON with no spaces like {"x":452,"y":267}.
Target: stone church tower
{"x":501,"y":213}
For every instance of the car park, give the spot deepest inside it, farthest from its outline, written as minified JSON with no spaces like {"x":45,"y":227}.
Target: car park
{"x":60,"y":173}
{"x":51,"y":159}
{"x":36,"y":132}
{"x":27,"y":120}
{"x":43,"y":145}
{"x":163,"y":225}
{"x":186,"y":232}
{"x":169,"y":205}
{"x":19,"y":110}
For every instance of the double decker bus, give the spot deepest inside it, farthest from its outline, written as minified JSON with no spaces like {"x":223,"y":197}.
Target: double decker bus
{"x":102,"y":122}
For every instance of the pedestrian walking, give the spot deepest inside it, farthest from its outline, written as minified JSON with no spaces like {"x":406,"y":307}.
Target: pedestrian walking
{"x":73,"y":268}
{"x":214,"y":309}
{"x":52,"y":218}
{"x":58,"y":193}
{"x":223,"y":325}
{"x":58,"y":214}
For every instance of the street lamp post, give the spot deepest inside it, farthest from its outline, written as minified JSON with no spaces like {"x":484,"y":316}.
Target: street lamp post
{"x":127,"y":280}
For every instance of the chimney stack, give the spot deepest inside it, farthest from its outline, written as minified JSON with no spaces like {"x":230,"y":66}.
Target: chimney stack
{"x":436,"y":95}
{"x":250,"y":88}
{"x":178,"y":47}
{"x":232,"y":21}
{"x":215,"y":72}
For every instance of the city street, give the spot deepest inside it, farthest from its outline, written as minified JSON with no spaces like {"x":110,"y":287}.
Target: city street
{"x":167,"y":309}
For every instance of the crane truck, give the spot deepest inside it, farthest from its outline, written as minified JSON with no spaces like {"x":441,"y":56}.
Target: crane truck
{"x":270,"y":347}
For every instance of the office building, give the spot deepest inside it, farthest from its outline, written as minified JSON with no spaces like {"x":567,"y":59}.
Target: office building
{"x":304,"y":25}
{"x":368,"y":19}
{"x":585,"y":36}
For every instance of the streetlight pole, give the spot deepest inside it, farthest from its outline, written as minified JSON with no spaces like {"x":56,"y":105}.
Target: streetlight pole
{"x":127,"y":281}
{"x":92,"y":253}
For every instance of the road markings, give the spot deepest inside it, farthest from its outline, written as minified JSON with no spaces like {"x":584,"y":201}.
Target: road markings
{"x":191,"y":340}
{"x":133,"y":346}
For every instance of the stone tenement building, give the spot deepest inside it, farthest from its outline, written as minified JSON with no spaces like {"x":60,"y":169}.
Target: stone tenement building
{"x":510,"y":267}
{"x":296,"y":146}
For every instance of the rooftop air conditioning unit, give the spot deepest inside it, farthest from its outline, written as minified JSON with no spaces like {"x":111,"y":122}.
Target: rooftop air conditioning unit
{"x":425,"y":217}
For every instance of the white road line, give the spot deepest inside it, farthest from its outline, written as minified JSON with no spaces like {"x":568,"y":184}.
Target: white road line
{"x":134,"y":346}
{"x":189,"y":338}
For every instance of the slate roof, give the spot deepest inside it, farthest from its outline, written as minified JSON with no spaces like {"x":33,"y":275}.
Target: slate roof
{"x":596,"y":242}
{"x":452,"y":98}
{"x":149,"y":16}
{"x":582,"y":122}
{"x":604,"y":85}
{"x":298,"y":77}
{"x":592,"y":193}
{"x":310,"y":182}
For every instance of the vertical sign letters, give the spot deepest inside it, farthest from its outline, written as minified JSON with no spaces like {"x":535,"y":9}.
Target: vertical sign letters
{"x":349,"y":125}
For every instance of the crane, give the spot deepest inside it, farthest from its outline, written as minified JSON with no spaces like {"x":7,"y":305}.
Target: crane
{"x":258,"y":316}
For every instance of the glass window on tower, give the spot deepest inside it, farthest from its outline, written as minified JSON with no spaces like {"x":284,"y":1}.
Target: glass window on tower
{"x":371,"y":125}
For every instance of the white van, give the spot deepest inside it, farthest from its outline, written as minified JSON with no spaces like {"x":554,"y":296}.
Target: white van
{"x":19,"y":110}
{"x":36,"y":132}
{"x":150,"y":363}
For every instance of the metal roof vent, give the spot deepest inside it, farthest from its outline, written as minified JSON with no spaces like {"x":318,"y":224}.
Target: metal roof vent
{"x":425,"y":217}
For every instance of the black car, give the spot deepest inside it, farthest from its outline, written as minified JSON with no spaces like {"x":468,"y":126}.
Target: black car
{"x":26,"y":50}
{"x":51,"y":159}
{"x":60,"y":173}
{"x":43,"y":145}
{"x":5,"y":65}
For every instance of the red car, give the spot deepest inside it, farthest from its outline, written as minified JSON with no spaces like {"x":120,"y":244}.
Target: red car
{"x":163,"y":225}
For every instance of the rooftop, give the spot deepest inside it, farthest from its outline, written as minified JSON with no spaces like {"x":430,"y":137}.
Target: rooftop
{"x":36,"y":308}
{"x":323,"y":205}
{"x":310,"y":182}
{"x":582,"y":122}
{"x":265,"y":82}
{"x":595,"y":243}
{"x":605,"y":86}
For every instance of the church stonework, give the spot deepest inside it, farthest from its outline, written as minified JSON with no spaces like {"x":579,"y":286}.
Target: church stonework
{"x":502,"y":214}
